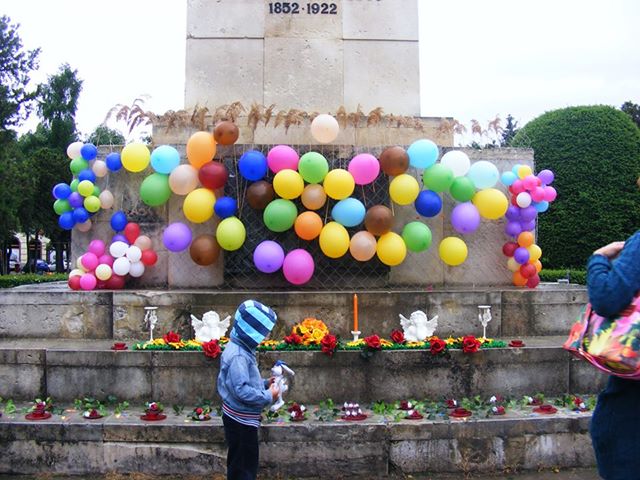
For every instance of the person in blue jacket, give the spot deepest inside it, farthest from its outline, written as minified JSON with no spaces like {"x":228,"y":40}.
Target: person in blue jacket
{"x":243,"y":391}
{"x":613,"y":279}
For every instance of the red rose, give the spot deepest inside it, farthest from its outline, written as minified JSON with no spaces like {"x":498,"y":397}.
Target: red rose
{"x":437,"y":346}
{"x":397,"y":336}
{"x":470,"y":344}
{"x":373,"y":342}
{"x":211,"y":349}
{"x":172,"y":337}
{"x":451,"y":403}
{"x":293,"y":339}
{"x":199,"y":411}
{"x":328,"y":344}
{"x":577,"y":401}
{"x":153,"y":407}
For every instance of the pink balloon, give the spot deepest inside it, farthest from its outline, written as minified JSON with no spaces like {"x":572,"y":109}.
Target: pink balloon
{"x":364,"y":168}
{"x":517,"y":187}
{"x":282,"y":157}
{"x":97,"y":247}
{"x":530,"y":182}
{"x":88,"y":281}
{"x":550,"y":194}
{"x":537,"y":194}
{"x":89,"y":261}
{"x":298,"y":267}
{"x":106,"y":259}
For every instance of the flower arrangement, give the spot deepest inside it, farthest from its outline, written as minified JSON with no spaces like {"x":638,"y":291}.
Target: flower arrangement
{"x":91,"y":408}
{"x":40,"y":410}
{"x":153,"y":412}
{"x":201,"y":413}
{"x":311,"y":331}
{"x":173,"y":341}
{"x":297,"y":412}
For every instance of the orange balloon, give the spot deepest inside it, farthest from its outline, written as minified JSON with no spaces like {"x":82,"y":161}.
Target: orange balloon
{"x":538,"y":265}
{"x":201,"y":148}
{"x":525,"y":239}
{"x":313,"y":196}
{"x":308,"y":225}
{"x":519,"y":280}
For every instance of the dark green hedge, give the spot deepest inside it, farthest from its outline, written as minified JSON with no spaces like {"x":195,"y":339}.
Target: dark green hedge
{"x":575,"y":276}
{"x":595,"y":154}
{"x":8,"y":281}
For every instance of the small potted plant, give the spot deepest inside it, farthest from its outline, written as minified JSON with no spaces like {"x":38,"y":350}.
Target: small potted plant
{"x":153,"y":412}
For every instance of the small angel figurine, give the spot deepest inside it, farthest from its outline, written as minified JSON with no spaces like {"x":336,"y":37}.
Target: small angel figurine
{"x":277,"y":372}
{"x":210,"y":327}
{"x":418,"y":326}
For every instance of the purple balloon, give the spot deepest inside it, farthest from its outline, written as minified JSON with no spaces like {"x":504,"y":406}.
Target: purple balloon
{"x":465,"y":218}
{"x":546,"y":177}
{"x":528,"y":226}
{"x":298,"y":266}
{"x":268,"y":256}
{"x":513,"y":228}
{"x":513,"y":213}
{"x":521,"y":255}
{"x":120,"y":238}
{"x":75,"y":200}
{"x":177,"y":237}
{"x":528,"y":213}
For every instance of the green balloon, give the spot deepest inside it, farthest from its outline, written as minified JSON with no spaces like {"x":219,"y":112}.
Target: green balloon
{"x":313,"y":167}
{"x":417,"y":236}
{"x":96,"y":191}
{"x":280,"y":215}
{"x":77,"y":165}
{"x":61,"y":206}
{"x":231,"y":234}
{"x":74,"y":185}
{"x":462,"y":189}
{"x":438,"y":178}
{"x":155,"y":190}
{"x":92,"y":204}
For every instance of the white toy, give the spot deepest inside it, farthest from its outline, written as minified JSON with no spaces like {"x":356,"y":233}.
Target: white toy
{"x":418,"y":326}
{"x":210,"y":327}
{"x":277,"y":372}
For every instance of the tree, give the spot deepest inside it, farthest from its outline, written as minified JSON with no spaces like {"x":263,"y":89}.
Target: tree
{"x":633,"y":110}
{"x":595,"y":154}
{"x":509,"y":131}
{"x":104,"y":135}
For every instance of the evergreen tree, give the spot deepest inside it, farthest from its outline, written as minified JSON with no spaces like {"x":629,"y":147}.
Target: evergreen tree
{"x":510,"y":130}
{"x":633,"y":110}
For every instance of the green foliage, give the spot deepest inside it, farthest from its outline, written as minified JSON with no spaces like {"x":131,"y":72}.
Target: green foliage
{"x":120,"y":408}
{"x":326,"y":411}
{"x":104,"y":135}
{"x":8,"y":281}
{"x":633,"y":110}
{"x":573,"y":275}
{"x":178,"y":409}
{"x":594,"y":152}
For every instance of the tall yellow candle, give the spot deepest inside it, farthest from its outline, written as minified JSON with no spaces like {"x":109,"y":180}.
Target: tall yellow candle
{"x":355,"y":312}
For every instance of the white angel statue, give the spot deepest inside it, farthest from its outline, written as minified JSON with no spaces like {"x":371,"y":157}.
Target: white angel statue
{"x":210,"y":327}
{"x":418,"y":326}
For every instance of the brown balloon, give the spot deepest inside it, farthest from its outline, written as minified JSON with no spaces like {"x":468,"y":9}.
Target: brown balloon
{"x":378,"y":220}
{"x":394,"y":161}
{"x":226,"y":133}
{"x":259,"y":195}
{"x":204,"y":250}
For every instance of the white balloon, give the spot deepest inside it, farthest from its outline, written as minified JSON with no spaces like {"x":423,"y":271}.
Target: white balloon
{"x":73,"y":150}
{"x":523,"y":200}
{"x":134,"y":254}
{"x":106,"y":199}
{"x":100,"y":168}
{"x":121,"y":266}
{"x":457,"y":161}
{"x":76,"y":272}
{"x":103,"y":272}
{"x":84,"y":226}
{"x":324,"y":128}
{"x":118,"y":249}
{"x":79,"y":264}
{"x":183,"y":179}
{"x":137,"y":269}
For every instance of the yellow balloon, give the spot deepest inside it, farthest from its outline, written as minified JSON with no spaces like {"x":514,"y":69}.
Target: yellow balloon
{"x":491,"y":203}
{"x":404,"y":189}
{"x":135,"y":157}
{"x":524,"y":171}
{"x":339,"y":184}
{"x":103,"y":272}
{"x":513,"y":265}
{"x":288,"y":184}
{"x":85,"y":188}
{"x":198,"y":205}
{"x":535,"y":252}
{"x":391,"y":249}
{"x":453,"y":251}
{"x":334,"y":240}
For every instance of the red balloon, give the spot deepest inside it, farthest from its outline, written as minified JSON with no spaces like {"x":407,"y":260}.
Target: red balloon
{"x":149,"y":257}
{"x":101,"y":285}
{"x":116,"y":282}
{"x":528,"y":270}
{"x":131,"y":232}
{"x":74,"y":282}
{"x":213,"y":175}
{"x":509,"y":248}
{"x":532,"y":282}
{"x":514,"y":201}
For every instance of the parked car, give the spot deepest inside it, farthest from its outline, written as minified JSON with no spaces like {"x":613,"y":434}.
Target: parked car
{"x":35,"y":266}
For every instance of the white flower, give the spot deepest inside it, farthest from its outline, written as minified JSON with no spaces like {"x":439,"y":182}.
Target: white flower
{"x":493,"y":399}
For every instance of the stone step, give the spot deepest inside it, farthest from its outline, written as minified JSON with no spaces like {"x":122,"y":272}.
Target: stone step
{"x":372,"y":448}
{"x":69,"y":369}
{"x":52,"y":311}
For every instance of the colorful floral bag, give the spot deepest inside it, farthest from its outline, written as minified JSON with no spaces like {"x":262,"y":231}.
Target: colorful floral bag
{"x":610,"y":344}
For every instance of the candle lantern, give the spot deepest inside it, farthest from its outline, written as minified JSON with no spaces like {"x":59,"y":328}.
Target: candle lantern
{"x":356,"y":331}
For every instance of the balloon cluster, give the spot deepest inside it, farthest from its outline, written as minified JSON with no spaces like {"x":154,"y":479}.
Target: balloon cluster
{"x":107,"y":268}
{"x":530,"y":195}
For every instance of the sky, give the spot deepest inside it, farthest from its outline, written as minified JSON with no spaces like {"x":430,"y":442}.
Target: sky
{"x":478,"y":59}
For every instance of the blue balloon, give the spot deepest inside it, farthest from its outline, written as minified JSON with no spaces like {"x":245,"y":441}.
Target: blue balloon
{"x":515,"y":169}
{"x":428,"y":203}
{"x":66,"y":221}
{"x":118,"y":221}
{"x":349,"y":212}
{"x":61,"y":191}
{"x":87,"y":174}
{"x":89,"y":151}
{"x":80,"y":215}
{"x":542,"y":206}
{"x":507,"y":178}
{"x":225,"y":207}
{"x":113,"y":162}
{"x":164,"y":159}
{"x":253,"y":165}
{"x":422,"y":153}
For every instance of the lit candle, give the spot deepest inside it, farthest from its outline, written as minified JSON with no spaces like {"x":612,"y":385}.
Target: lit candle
{"x":355,"y":312}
